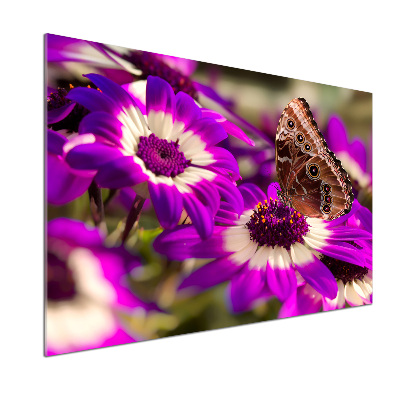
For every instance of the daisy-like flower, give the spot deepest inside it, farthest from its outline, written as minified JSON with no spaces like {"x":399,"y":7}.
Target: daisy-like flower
{"x":63,"y":183}
{"x":169,"y":155}
{"x":85,"y":289}
{"x":262,"y":251}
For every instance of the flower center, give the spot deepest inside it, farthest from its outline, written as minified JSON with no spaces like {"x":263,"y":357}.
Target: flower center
{"x":343,"y":270}
{"x":150,"y":64}
{"x":161,"y":156}
{"x":71,"y":122}
{"x":276,"y":224}
{"x":60,"y":282}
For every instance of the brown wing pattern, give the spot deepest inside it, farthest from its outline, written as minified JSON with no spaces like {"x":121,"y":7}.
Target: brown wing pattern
{"x":309,"y":174}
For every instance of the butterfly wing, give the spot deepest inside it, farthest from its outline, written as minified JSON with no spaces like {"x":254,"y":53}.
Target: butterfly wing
{"x":308,"y":172}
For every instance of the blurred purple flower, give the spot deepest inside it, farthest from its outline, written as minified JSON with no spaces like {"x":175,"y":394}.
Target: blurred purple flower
{"x":65,"y":183}
{"x":170,"y":155}
{"x":354,"y":155}
{"x":262,"y":251}
{"x":108,"y":60}
{"x":85,"y":289}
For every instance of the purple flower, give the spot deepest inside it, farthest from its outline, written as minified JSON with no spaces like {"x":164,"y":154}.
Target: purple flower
{"x":353,"y":154}
{"x":85,"y":289}
{"x":263,"y":250}
{"x":354,"y":281}
{"x":118,"y":64}
{"x":65,"y":183}
{"x":170,"y":155}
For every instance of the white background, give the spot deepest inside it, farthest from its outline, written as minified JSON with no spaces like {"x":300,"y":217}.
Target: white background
{"x":337,"y":355}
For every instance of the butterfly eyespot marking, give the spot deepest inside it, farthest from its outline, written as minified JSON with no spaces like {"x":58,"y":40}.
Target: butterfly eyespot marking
{"x":290,"y":123}
{"x":300,"y":138}
{"x":326,"y":208}
{"x":326,"y":188}
{"x":313,"y":171}
{"x":328,"y":199}
{"x":307,"y":147}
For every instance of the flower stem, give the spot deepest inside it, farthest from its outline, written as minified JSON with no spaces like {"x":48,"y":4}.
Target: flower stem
{"x":133,"y":216}
{"x":96,"y":206}
{"x":111,"y":195}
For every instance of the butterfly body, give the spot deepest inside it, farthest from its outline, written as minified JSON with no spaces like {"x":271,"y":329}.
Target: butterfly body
{"x":312,"y":179}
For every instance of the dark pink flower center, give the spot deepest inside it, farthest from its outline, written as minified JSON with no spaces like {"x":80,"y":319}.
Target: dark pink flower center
{"x":151,"y":64}
{"x":276,"y":224}
{"x":60,"y":282}
{"x":161,"y":156}
{"x":343,"y":270}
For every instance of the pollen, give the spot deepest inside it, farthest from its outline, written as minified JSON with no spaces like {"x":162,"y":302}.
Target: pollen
{"x":276,"y":224}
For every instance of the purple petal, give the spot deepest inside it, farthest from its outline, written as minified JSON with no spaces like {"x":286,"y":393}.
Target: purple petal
{"x":314,"y":271}
{"x":63,"y":183}
{"x":223,"y":159}
{"x":75,"y":231}
{"x":336,"y":135}
{"x":92,"y":155}
{"x":252,"y":195}
{"x":282,"y":281}
{"x":200,"y":215}
{"x":184,"y":242}
{"x":273,"y":191}
{"x":208,"y":194}
{"x":305,"y":300}
{"x":210,"y":132}
{"x":120,"y":172}
{"x":246,"y":288}
{"x":340,"y":251}
{"x":365,"y":217}
{"x":167,"y":202}
{"x":160,"y":101}
{"x":359,"y":153}
{"x":187,"y":110}
{"x":226,"y":217}
{"x":93,"y":100}
{"x":211,"y":274}
{"x":348,"y":234}
{"x":59,"y":114}
{"x":341,"y":220}
{"x":55,"y":142}
{"x":112,"y":90}
{"x":229,"y":127}
{"x":230,"y":193}
{"x":102,"y":124}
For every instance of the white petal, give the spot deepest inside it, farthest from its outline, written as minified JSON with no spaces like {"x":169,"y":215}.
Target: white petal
{"x":351,"y":295}
{"x":191,"y":145}
{"x":259,"y":260}
{"x":279,"y":258}
{"x":235,"y":238}
{"x":160,"y":123}
{"x":300,"y":254}
{"x":243,"y":255}
{"x":360,"y":288}
{"x":340,"y":295}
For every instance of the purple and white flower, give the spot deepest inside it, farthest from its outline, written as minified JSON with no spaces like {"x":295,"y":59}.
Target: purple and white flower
{"x":262,"y":251}
{"x":169,"y":155}
{"x":85,"y":289}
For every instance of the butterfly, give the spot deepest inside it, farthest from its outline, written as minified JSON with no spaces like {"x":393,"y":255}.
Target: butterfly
{"x":312,"y":179}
